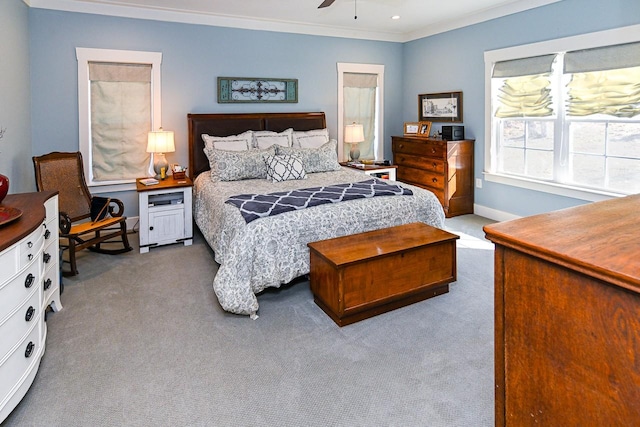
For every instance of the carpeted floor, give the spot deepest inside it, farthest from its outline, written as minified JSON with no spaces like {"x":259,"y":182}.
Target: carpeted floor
{"x":142,"y":341}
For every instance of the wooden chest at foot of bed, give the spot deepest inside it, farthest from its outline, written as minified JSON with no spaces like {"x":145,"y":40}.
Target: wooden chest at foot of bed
{"x":362,"y":275}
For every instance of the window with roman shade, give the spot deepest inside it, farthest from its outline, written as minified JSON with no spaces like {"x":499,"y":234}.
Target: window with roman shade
{"x":360,"y":92}
{"x":569,"y":117}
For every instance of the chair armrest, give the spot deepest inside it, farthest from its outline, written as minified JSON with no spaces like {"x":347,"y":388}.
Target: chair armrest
{"x":64,"y":222}
{"x":118,"y":205}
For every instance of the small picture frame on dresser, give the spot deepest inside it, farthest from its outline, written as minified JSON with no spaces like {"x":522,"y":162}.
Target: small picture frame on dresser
{"x":411,"y":128}
{"x":424,"y":129}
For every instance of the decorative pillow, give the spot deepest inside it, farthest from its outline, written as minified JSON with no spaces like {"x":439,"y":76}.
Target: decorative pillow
{"x":240,"y":142}
{"x":284,"y":168}
{"x":311,"y":138}
{"x":237,"y":165}
{"x":265,"y":138}
{"x":321,"y":159}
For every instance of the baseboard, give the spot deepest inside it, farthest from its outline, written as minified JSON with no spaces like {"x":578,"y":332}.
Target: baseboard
{"x":493,"y":214}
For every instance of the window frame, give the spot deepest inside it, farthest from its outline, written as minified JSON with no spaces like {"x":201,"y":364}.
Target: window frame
{"x":84,"y":57}
{"x":345,"y":67}
{"x":584,"y":41}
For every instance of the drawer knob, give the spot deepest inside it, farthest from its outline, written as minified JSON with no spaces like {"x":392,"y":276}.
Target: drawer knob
{"x":29,"y":245}
{"x":46,"y":257}
{"x":29,"y":280}
{"x":29,"y":314}
{"x":29,"y":349}
{"x":401,"y":145}
{"x":151,"y":228}
{"x":47,"y":284}
{"x":30,"y":257}
{"x":47,"y":234}
{"x":434,"y":180}
{"x":435,"y":165}
{"x":433,"y":150}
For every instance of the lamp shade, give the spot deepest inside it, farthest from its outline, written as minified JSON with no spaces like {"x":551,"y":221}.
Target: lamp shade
{"x":160,"y":141}
{"x":353,"y":133}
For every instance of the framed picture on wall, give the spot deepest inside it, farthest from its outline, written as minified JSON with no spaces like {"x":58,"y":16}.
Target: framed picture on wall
{"x":440,"y":107}
{"x":411,"y":128}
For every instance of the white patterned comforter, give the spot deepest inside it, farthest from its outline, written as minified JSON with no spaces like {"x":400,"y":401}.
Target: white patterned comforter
{"x":272,"y":251}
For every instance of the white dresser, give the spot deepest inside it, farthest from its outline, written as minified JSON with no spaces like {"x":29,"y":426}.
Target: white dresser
{"x":29,"y":283}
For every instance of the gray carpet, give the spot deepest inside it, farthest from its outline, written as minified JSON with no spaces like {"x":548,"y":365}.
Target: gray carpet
{"x":142,"y":341}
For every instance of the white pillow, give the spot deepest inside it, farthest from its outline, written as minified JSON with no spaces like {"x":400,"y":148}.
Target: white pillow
{"x":240,"y":142}
{"x":284,"y":168}
{"x":311,"y":138}
{"x":265,"y":138}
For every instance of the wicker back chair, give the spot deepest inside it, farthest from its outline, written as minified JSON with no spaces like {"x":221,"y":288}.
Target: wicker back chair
{"x":64,"y":172}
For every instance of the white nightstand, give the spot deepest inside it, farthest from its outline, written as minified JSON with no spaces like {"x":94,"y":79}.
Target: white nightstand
{"x":384,"y":172}
{"x":165,"y":213}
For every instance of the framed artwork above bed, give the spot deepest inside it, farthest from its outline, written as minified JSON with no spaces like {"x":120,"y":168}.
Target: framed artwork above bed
{"x":256,"y":89}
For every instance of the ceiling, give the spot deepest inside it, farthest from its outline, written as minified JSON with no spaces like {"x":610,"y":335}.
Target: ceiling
{"x":418,"y":18}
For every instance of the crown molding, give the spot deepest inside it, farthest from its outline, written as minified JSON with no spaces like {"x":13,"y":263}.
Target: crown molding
{"x":202,"y":18}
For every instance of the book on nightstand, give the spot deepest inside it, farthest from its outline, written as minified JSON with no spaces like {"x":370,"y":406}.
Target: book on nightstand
{"x":149,"y":181}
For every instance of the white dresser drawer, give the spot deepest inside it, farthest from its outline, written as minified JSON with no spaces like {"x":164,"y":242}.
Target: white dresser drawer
{"x":18,"y":289}
{"x":50,"y":254}
{"x":15,"y":367}
{"x":9,"y":263}
{"x":51,"y":284}
{"x":31,"y":246}
{"x":51,"y":209}
{"x":14,"y":328}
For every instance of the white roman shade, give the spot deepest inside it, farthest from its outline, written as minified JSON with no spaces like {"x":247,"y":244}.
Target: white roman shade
{"x":120,"y":117}
{"x":604,"y":80}
{"x":526,"y":87}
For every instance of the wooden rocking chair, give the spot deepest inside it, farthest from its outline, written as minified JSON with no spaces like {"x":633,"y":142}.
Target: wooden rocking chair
{"x":64,"y":172}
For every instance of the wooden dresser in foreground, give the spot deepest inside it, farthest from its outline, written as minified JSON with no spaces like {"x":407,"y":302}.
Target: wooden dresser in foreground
{"x":443,"y":167}
{"x":567,"y":317}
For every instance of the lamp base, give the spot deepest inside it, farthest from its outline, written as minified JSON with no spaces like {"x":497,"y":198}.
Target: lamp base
{"x":160,"y":165}
{"x":354,"y":153}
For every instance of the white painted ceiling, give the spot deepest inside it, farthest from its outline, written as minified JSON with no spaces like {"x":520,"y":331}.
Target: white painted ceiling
{"x":418,"y":18}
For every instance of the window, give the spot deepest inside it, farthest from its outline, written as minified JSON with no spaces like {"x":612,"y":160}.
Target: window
{"x":565,"y":117}
{"x":360,"y":100}
{"x":119,"y":103}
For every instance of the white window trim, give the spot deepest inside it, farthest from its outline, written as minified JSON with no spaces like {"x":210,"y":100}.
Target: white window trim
{"x":86,"y":55}
{"x":584,"y":41}
{"x":345,"y":67}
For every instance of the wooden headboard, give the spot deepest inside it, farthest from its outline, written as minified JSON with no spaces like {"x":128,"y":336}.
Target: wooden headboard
{"x":233,"y":124}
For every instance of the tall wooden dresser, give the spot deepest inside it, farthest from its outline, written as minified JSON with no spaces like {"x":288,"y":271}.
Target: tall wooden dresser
{"x":567,"y":317}
{"x":443,"y":167}
{"x":29,"y":283}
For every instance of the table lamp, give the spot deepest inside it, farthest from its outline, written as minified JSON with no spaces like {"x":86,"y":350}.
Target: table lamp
{"x":158,"y":143}
{"x":353,"y":134}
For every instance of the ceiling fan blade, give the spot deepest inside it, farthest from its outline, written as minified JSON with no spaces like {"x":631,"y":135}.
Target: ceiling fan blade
{"x":326,"y":3}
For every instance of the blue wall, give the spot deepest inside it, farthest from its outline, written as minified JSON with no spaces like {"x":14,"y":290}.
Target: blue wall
{"x":454,"y":61}
{"x":193,"y":57}
{"x":15,"y":114}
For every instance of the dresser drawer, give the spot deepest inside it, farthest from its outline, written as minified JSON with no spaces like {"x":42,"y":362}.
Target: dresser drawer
{"x":422,"y":177}
{"x":50,"y":282}
{"x":51,"y":209}
{"x":31,"y":246}
{"x":16,"y":326}
{"x":18,"y":289}
{"x":432,"y":165}
{"x":14,"y":366}
{"x":50,"y":254}
{"x":421,"y":148}
{"x":9,"y":263}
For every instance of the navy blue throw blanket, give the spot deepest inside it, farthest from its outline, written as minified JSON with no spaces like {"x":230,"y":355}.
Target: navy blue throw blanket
{"x":254,"y":206}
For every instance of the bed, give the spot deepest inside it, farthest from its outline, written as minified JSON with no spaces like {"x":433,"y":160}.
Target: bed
{"x":271,"y":251}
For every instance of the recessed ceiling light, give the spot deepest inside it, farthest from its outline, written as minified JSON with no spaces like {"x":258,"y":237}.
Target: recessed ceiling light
{"x":395,"y":17}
